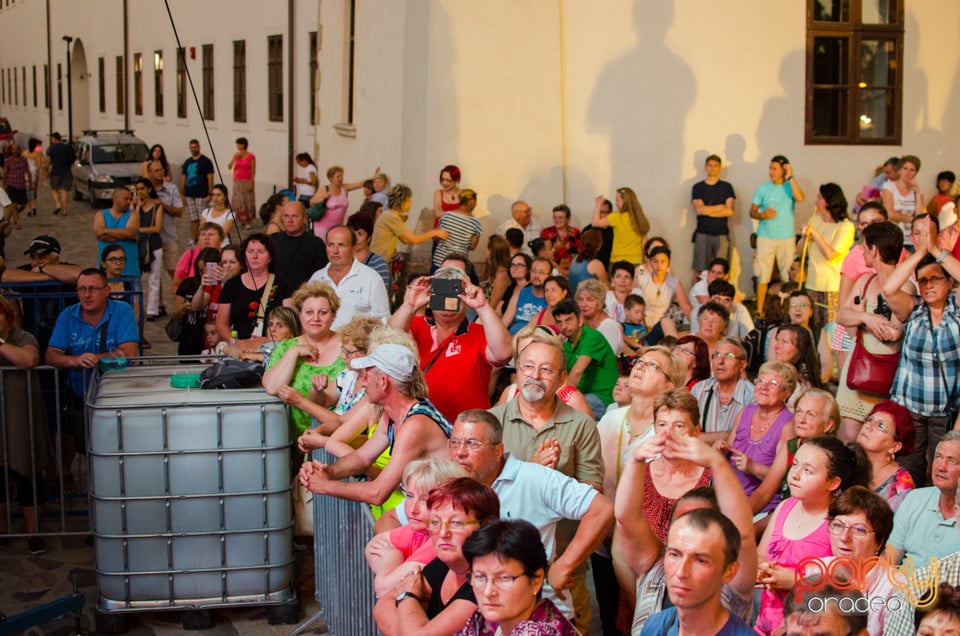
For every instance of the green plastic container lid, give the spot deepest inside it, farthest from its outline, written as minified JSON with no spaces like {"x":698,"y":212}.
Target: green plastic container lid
{"x":185,"y":381}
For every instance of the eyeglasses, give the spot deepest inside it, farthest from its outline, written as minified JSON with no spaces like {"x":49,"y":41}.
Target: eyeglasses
{"x":501,"y":582}
{"x":922,"y":282}
{"x":523,"y":265}
{"x":349,"y":352}
{"x":533,"y":370}
{"x":90,"y":290}
{"x":773,"y":383}
{"x":116,"y":259}
{"x":686,"y":351}
{"x":859,"y":531}
{"x":880,"y":425}
{"x":471,"y":444}
{"x":453,"y":525}
{"x":729,"y":355}
{"x":650,"y":365}
{"x":800,"y":304}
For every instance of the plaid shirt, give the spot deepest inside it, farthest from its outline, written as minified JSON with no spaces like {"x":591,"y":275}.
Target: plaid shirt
{"x":900,"y":623}
{"x":927,"y":378}
{"x":17,"y":172}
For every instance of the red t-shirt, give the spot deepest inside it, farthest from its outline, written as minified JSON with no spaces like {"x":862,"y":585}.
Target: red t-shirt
{"x":459,"y":378}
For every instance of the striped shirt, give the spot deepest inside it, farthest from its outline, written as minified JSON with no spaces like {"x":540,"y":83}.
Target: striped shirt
{"x":927,"y":377}
{"x":379,"y":265}
{"x":461,"y":228}
{"x":716,"y":417}
{"x":900,"y":623}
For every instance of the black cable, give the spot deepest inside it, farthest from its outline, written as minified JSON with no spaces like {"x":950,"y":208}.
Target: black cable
{"x":196,"y":100}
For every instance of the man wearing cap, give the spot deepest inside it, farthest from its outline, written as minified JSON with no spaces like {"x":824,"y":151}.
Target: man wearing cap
{"x":411,"y":427}
{"x":61,"y":180}
{"x":45,"y":265}
{"x":457,"y":356}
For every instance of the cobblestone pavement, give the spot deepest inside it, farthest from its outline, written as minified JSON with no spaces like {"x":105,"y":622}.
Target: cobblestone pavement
{"x":29,"y":581}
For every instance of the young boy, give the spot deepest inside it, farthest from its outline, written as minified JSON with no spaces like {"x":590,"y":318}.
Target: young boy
{"x":380,"y":184}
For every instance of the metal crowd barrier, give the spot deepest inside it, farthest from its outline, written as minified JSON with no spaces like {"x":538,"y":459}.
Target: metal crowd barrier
{"x":42,"y":303}
{"x":344,"y":581}
{"x":68,"y":509}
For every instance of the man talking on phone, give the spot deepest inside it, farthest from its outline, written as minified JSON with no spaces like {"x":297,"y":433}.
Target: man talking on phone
{"x":773,"y":206}
{"x":456,"y":356}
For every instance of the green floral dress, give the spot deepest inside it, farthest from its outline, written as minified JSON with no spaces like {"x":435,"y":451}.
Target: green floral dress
{"x":300,"y":381}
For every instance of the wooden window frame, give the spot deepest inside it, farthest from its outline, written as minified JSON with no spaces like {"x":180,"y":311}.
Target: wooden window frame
{"x":855,"y":33}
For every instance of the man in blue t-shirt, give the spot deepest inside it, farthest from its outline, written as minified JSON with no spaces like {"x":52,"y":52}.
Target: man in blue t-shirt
{"x":96,"y":327}
{"x":699,"y":559}
{"x":196,"y":182}
{"x":713,"y":201}
{"x":773,"y":205}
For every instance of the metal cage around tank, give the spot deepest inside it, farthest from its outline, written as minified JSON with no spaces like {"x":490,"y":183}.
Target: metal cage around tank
{"x":189,"y":493}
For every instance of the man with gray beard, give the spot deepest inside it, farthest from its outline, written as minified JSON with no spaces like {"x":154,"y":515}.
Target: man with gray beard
{"x":540,"y":427}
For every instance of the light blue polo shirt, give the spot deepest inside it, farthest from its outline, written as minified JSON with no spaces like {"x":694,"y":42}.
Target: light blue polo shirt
{"x":920,"y":530}
{"x":542,"y":496}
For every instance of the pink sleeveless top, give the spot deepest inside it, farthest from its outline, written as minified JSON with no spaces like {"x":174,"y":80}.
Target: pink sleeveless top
{"x":788,"y":553}
{"x":336,"y":210}
{"x":241,"y":167}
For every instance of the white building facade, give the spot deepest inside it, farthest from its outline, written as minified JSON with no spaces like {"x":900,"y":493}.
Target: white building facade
{"x":125,"y":73}
{"x":549,"y":101}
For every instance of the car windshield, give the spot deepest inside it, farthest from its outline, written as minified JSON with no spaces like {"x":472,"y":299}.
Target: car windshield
{"x":5,"y":126}
{"x":120,"y":153}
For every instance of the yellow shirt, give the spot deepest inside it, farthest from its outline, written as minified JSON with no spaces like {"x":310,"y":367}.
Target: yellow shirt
{"x":627,"y":243}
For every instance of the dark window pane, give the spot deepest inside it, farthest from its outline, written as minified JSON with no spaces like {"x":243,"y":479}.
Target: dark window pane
{"x":878,"y":63}
{"x":877,"y":113}
{"x":830,"y":61}
{"x":829,"y":112}
{"x":878,"y":11}
{"x":831,"y":10}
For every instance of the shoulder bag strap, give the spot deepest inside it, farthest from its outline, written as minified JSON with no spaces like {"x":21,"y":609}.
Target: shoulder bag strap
{"x":706,"y":407}
{"x":262,"y":308}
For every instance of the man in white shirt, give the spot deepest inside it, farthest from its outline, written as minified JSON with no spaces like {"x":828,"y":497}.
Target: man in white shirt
{"x":522,"y":220}
{"x":360,"y":288}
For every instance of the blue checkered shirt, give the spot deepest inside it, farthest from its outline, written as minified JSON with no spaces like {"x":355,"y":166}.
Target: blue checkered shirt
{"x":927,"y":378}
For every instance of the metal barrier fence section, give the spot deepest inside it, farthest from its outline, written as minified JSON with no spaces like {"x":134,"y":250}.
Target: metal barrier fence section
{"x":344,"y":582}
{"x":41,"y":303}
{"x":31,"y":459}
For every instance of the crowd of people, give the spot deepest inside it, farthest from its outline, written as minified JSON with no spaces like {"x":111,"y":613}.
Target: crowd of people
{"x":570,"y":399}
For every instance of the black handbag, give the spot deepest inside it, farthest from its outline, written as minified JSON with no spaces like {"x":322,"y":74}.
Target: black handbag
{"x":232,"y":374}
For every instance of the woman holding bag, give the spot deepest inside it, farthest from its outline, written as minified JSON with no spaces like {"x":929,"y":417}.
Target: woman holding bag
{"x":148,"y":207}
{"x":927,"y":381}
{"x":874,"y":320}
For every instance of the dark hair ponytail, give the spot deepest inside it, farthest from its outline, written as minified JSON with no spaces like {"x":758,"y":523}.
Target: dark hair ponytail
{"x":849,"y":462}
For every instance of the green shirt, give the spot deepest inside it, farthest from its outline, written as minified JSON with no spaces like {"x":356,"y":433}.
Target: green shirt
{"x":301,"y":378}
{"x":601,"y":374}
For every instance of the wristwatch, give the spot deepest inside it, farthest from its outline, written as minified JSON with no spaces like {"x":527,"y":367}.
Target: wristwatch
{"x":402,"y":596}
{"x":943,"y":255}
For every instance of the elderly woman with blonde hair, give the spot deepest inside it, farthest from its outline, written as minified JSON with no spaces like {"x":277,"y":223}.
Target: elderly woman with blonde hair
{"x":309,"y":362}
{"x":396,"y":551}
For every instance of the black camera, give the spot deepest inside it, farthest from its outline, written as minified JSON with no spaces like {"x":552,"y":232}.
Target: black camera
{"x":445,"y":294}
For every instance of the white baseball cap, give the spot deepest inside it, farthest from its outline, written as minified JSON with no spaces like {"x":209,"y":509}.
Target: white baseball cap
{"x":395,"y":360}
